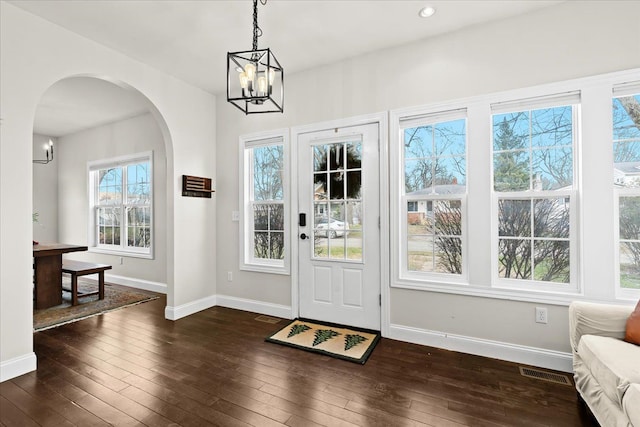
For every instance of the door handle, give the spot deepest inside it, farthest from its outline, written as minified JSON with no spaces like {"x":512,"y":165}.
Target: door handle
{"x":303,"y":236}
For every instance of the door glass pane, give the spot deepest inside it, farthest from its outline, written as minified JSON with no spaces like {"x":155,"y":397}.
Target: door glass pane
{"x":320,"y":158}
{"x":354,"y":155}
{"x":354,"y":184}
{"x":320,"y":186}
{"x":337,"y":224}
{"x":336,"y":185}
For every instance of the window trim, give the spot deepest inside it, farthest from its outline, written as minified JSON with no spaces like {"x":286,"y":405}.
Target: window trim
{"x":119,"y":161}
{"x":247,"y":262}
{"x":554,"y":100}
{"x":401,"y":276}
{"x":596,"y":283}
{"x":621,"y":90}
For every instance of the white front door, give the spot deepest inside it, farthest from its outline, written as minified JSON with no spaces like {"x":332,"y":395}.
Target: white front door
{"x":339,"y":245}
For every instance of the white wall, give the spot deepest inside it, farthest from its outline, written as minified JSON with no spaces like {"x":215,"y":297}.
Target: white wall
{"x":135,"y":135}
{"x":45,"y":192}
{"x":34,"y":55}
{"x":570,"y":40}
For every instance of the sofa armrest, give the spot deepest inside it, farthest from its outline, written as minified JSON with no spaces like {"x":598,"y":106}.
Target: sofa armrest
{"x":597,"y":319}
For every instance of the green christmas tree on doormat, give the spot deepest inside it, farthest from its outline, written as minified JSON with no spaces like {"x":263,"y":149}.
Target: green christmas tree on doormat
{"x":351,"y":341}
{"x":296,"y":329}
{"x":323,"y":335}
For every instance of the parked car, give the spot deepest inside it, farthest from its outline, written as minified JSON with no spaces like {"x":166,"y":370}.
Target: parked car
{"x":329,"y":227}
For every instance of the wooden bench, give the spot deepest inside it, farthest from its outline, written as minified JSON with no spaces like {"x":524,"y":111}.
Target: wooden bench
{"x":79,"y":268}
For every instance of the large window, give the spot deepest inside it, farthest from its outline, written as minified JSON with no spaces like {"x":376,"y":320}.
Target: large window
{"x":264,"y":242}
{"x":433,"y":156}
{"x":626,"y":175}
{"x":533,"y":181}
{"x":122,"y":205}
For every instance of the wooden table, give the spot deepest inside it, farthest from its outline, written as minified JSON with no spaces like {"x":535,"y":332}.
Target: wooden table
{"x":48,"y":272}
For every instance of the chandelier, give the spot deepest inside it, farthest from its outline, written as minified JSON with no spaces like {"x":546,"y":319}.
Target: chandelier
{"x":48,"y":150}
{"x":255,"y":78}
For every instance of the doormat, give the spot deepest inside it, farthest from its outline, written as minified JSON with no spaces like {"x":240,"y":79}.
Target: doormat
{"x":342,"y":342}
{"x":115,"y":297}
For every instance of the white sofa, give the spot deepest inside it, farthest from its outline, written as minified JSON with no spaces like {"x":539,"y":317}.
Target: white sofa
{"x":606,"y":368}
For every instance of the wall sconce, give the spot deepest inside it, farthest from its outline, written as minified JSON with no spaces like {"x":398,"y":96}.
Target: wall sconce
{"x":48,"y":150}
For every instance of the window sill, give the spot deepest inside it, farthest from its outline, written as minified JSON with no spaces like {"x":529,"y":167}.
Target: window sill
{"x":261,"y":268}
{"x":121,"y":253}
{"x":551,"y":298}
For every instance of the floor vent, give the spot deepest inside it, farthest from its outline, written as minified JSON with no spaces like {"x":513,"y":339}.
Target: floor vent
{"x":545,"y":376}
{"x":267,"y":319}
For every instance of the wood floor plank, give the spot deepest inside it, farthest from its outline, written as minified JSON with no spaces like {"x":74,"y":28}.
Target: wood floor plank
{"x":133,"y":367}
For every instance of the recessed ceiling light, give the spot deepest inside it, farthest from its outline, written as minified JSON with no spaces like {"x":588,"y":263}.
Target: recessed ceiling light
{"x":426,"y":12}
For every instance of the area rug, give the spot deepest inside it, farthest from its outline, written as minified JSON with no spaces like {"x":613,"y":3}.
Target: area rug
{"x":342,"y":342}
{"x":115,"y":297}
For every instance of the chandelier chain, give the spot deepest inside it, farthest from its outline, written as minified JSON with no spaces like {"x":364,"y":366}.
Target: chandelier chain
{"x":257,"y":31}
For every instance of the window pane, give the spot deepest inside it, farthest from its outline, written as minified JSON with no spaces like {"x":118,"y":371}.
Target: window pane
{"x":420,"y":256}
{"x":418,"y":142}
{"x":268,"y":172}
{"x":276,"y":217}
{"x":630,"y":265}
{"x":625,"y":124}
{"x":109,"y":186}
{"x":320,"y":246}
{"x":629,"y":211}
{"x":533,"y":150}
{"x":354,"y":245}
{"x":260,"y":217}
{"x":448,"y":217}
{"x":510,"y":131}
{"x":552,"y":169}
{"x":450,"y":137}
{"x":450,"y":175}
{"x":552,"y":127}
{"x":514,"y":218}
{"x":418,"y":175}
{"x":514,"y":258}
{"x":551,"y":217}
{"x":626,"y":141}
{"x":448,"y":255}
{"x":320,"y":186}
{"x":551,"y":261}
{"x":138,"y":182}
{"x":511,"y":171}
{"x":277,"y":245}
{"x":261,"y":245}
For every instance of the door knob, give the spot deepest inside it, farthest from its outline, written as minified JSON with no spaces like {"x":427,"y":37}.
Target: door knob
{"x":303,"y":236}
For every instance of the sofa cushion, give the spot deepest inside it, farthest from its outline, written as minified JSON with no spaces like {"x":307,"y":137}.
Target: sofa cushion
{"x":632,"y":332}
{"x":612,"y":362}
{"x":631,"y":404}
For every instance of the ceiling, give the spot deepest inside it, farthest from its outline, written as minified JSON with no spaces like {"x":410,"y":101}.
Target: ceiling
{"x":189,"y":39}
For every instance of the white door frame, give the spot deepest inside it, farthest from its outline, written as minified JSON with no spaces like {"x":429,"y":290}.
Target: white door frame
{"x":381,"y":119}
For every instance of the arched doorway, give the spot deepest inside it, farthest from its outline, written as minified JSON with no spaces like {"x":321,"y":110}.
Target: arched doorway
{"x":94,"y":119}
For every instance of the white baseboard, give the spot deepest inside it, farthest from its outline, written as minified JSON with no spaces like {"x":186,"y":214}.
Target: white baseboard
{"x":18,"y":366}
{"x":131,"y":282}
{"x":147,"y":285}
{"x":184,"y":310}
{"x":276,"y":310}
{"x":549,"y":359}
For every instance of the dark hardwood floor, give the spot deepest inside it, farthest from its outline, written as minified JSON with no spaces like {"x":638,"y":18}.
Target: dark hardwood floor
{"x":133,"y":367}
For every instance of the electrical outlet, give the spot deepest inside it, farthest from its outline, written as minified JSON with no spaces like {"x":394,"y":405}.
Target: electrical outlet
{"x":229,"y":276}
{"x":541,"y":315}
